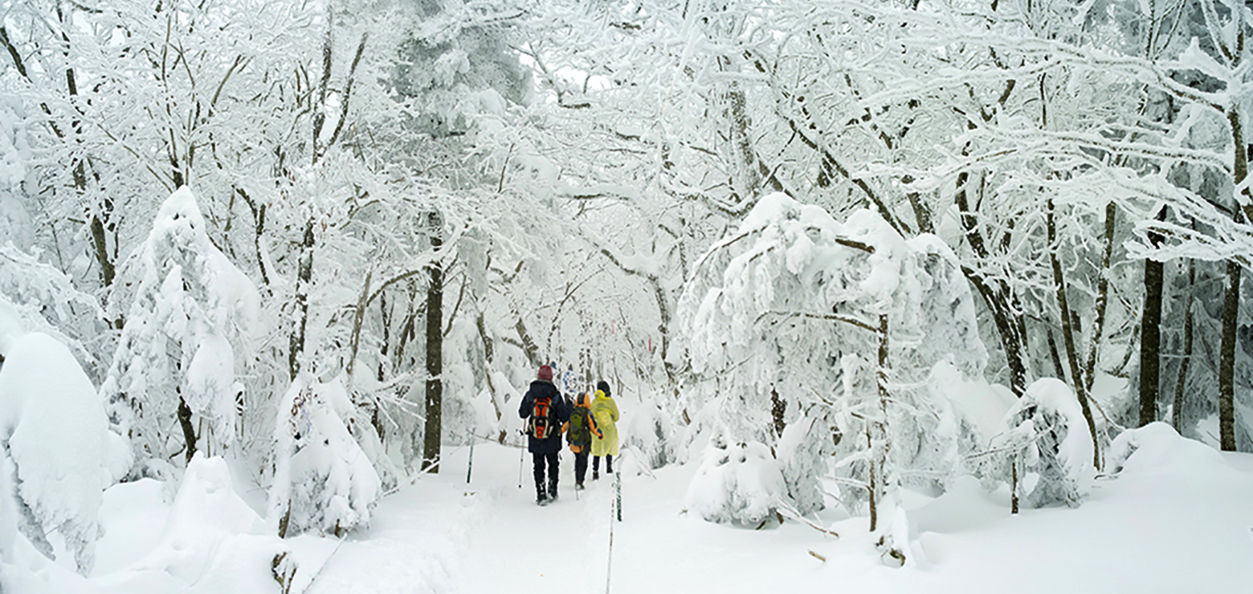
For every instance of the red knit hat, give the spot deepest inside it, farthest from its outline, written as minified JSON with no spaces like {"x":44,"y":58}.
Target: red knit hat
{"x":546,"y":373}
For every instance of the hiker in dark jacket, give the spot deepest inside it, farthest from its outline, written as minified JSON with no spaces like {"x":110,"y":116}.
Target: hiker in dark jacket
{"x":544,"y":449}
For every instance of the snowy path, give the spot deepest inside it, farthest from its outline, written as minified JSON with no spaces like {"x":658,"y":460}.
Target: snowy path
{"x":442,"y":535}
{"x":1173,"y":531}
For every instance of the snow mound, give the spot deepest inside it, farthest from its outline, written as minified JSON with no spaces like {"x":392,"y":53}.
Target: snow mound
{"x":741,"y":483}
{"x":1156,"y":448}
{"x":54,"y":433}
{"x":213,"y":542}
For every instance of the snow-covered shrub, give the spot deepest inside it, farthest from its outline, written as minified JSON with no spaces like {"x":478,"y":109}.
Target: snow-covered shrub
{"x":37,"y":297}
{"x":781,"y":323}
{"x":55,"y":436}
{"x":1156,"y":447}
{"x":803,"y":451}
{"x":324,"y":482}
{"x":1047,"y":436}
{"x":189,"y":322}
{"x":738,"y":482}
{"x":15,"y":223}
{"x":652,"y":433}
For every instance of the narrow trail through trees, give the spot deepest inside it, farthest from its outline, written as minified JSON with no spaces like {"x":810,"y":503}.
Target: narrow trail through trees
{"x":442,"y":535}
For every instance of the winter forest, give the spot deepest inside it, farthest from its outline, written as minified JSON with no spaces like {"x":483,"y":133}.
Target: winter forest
{"x":926,"y":295}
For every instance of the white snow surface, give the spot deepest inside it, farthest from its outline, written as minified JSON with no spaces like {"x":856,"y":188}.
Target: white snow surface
{"x":1175,"y":518}
{"x":54,"y":433}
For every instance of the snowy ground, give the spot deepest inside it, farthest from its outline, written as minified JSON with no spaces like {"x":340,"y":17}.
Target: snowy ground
{"x":1177,"y":518}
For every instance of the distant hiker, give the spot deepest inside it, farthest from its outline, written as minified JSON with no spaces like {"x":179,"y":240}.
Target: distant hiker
{"x":547,"y":411}
{"x":605,"y":412}
{"x":579,"y":434}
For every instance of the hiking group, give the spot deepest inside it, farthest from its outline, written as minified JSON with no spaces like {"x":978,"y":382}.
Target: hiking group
{"x":589,"y":424}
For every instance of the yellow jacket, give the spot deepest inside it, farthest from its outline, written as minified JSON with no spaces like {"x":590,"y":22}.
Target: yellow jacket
{"x":605,"y":411}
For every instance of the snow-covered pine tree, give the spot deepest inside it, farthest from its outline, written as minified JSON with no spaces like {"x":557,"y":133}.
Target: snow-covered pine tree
{"x":1044,"y":451}
{"x":793,"y":303}
{"x":323,"y":481}
{"x":172,"y":386}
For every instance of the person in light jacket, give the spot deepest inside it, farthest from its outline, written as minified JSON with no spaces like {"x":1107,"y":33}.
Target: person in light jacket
{"x":605,"y":412}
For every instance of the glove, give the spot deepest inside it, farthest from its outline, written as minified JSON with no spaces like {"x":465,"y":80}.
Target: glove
{"x":600,"y":434}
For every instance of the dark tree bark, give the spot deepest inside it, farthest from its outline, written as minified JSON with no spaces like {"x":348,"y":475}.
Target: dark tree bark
{"x":434,"y":353}
{"x":304,"y":277}
{"x":1177,"y":410}
{"x":996,"y":293}
{"x":189,"y":432}
{"x":1150,"y":341}
{"x":1151,"y":334}
{"x":1102,"y":294}
{"x":1231,"y":301}
{"x":1068,"y":335}
{"x":1227,"y":361}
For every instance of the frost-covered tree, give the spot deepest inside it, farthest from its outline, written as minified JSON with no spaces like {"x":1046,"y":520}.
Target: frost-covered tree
{"x":173,"y":384}
{"x":323,"y":481}
{"x":43,"y":299}
{"x":1045,"y":445}
{"x":805,"y":334}
{"x":56,"y":448}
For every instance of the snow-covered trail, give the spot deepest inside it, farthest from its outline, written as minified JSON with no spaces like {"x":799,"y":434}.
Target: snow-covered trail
{"x":441,"y":534}
{"x":1179,"y":522}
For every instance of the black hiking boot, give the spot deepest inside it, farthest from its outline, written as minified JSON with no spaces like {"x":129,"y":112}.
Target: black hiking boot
{"x":552,"y":492}
{"x":578,"y":486}
{"x":540,"y":497}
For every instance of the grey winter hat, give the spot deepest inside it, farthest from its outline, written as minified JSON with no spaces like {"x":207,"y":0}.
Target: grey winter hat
{"x":603,"y":386}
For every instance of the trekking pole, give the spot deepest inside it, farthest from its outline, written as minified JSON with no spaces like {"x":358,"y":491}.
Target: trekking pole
{"x":521,"y":454}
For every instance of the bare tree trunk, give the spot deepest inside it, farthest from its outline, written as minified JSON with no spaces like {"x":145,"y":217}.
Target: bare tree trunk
{"x":1068,"y":335}
{"x":434,"y":353}
{"x":258,"y":230}
{"x":1013,"y":487}
{"x":1150,"y":335}
{"x":879,"y":458}
{"x":996,"y":293}
{"x":304,"y":278}
{"x":874,"y":487}
{"x":1150,"y":341}
{"x":189,"y":432}
{"x":1227,"y":360}
{"x":358,"y":319}
{"x":528,"y":344}
{"x":489,"y":356}
{"x":1102,"y":294}
{"x":1177,"y":409}
{"x":1231,"y":301}
{"x":1058,"y":368}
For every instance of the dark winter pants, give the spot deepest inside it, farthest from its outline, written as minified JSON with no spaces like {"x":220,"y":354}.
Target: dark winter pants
{"x":596,"y":466}
{"x":580,"y":466}
{"x":540,"y":460}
